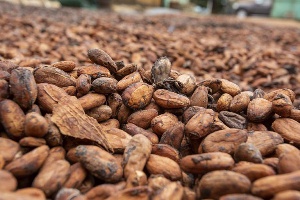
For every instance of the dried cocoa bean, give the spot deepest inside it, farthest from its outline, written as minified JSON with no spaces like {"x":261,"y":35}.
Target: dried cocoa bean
{"x":165,"y":166}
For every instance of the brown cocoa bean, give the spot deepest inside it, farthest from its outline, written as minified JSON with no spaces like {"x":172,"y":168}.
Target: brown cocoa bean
{"x":138,"y":149}
{"x":51,"y":178}
{"x":8,"y":149}
{"x":205,"y":162}
{"x":134,"y":130}
{"x":100,"y":113}
{"x":218,"y":183}
{"x":247,"y":152}
{"x":7,"y":181}
{"x":223,"y":103}
{"x":35,"y":125}
{"x":163,"y":122}
{"x":239,"y":103}
{"x":137,"y":95}
{"x":200,"y":124}
{"x":99,"y":163}
{"x":288,"y":129}
{"x":92,"y":100}
{"x":128,"y":80}
{"x":288,"y":194}
{"x":271,"y":185}
{"x":233,"y":120}
{"x":53,"y":76}
{"x":66,"y":66}
{"x":226,"y":141}
{"x":186,"y":84}
{"x":104,"y":85}
{"x":100,"y":57}
{"x":253,"y":171}
{"x":142,"y":118}
{"x":77,"y":176}
{"x":23,"y":87}
{"x":29,"y":163}
{"x":166,"y":150}
{"x":165,"y":166}
{"x":265,"y":141}
{"x":259,"y":109}
{"x":135,"y":179}
{"x":173,"y":190}
{"x":83,"y":84}
{"x":168,"y":99}
{"x":229,"y":87}
{"x":32,"y":142}
{"x":173,"y":136}
{"x":200,"y":97}
{"x":12,"y":118}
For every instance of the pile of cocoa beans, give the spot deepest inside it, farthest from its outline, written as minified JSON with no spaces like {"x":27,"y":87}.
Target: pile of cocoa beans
{"x":113,"y":130}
